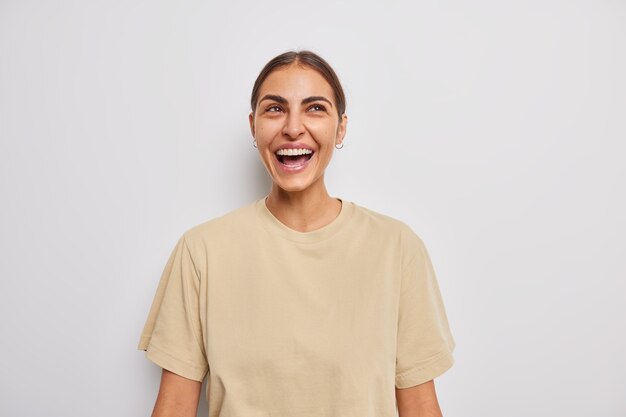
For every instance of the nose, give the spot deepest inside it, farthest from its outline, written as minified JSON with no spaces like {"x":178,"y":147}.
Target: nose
{"x":293,"y":127}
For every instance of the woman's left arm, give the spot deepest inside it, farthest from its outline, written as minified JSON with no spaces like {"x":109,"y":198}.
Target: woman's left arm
{"x":418,"y":401}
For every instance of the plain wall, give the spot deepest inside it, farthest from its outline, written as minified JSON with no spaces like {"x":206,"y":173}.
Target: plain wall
{"x":495,"y":129}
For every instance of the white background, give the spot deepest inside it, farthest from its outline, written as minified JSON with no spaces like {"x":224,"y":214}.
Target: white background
{"x":494,"y":128}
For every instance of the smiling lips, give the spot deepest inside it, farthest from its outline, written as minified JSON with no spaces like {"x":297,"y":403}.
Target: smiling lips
{"x":293,"y":159}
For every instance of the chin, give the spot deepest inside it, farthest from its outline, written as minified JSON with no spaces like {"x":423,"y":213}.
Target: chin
{"x":292,"y":185}
{"x":292,"y":188}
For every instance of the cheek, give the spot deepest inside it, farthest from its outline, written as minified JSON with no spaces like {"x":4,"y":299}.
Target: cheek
{"x":262,"y":134}
{"x":266,"y":131}
{"x":330,"y":136}
{"x":323,"y":134}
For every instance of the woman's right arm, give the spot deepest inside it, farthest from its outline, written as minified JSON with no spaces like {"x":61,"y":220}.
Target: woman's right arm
{"x":178,"y":396}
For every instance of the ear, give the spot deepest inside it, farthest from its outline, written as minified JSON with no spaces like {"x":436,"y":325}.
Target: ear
{"x":251,"y":121}
{"x":341,"y":129}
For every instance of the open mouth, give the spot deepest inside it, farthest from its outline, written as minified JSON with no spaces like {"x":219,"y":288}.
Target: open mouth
{"x":293,"y":157}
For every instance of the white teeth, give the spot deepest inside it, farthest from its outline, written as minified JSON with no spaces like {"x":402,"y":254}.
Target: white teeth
{"x":293,"y":152}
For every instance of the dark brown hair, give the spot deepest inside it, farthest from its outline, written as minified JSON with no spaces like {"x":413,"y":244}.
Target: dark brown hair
{"x":307,"y":59}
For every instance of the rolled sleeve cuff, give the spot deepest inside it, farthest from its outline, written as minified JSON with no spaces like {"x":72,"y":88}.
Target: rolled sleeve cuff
{"x":431,"y":369}
{"x":172,"y":364}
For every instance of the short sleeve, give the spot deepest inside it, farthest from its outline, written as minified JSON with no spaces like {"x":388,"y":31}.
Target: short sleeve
{"x":425,"y":343}
{"x":172,"y":335}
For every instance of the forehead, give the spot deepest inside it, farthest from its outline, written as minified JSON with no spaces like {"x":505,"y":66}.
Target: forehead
{"x":296,"y":81}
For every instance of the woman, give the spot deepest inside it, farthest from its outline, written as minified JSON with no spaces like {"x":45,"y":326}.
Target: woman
{"x":299,"y":304}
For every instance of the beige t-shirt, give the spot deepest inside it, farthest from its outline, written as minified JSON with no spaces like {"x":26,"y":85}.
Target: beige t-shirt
{"x":300,"y":324}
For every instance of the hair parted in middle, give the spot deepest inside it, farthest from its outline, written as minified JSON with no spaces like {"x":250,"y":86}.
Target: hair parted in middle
{"x":306,"y":59}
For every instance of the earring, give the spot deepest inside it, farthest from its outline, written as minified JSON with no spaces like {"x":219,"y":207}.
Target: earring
{"x":339,"y":146}
{"x":254,"y":143}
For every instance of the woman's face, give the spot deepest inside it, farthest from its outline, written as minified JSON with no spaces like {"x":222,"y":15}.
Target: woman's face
{"x":296,"y":127}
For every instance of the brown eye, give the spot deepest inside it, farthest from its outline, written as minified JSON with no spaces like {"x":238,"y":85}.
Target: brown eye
{"x":317,"y":107}
{"x":273,"y":108}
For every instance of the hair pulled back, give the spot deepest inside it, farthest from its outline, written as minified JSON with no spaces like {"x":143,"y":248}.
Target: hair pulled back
{"x":307,"y":59}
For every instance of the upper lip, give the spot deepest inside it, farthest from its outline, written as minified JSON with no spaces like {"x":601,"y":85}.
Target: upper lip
{"x":293,"y":145}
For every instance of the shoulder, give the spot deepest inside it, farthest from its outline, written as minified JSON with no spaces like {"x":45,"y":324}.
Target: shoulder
{"x":391,"y":227}
{"x":222,"y":227}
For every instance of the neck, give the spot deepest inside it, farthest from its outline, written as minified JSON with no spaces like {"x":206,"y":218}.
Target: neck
{"x":305,"y":210}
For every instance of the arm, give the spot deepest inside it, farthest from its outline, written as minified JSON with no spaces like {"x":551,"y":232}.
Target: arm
{"x":418,"y":401}
{"x":178,"y":396}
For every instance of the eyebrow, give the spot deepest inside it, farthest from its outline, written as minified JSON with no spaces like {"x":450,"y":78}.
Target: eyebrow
{"x":283,"y":100}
